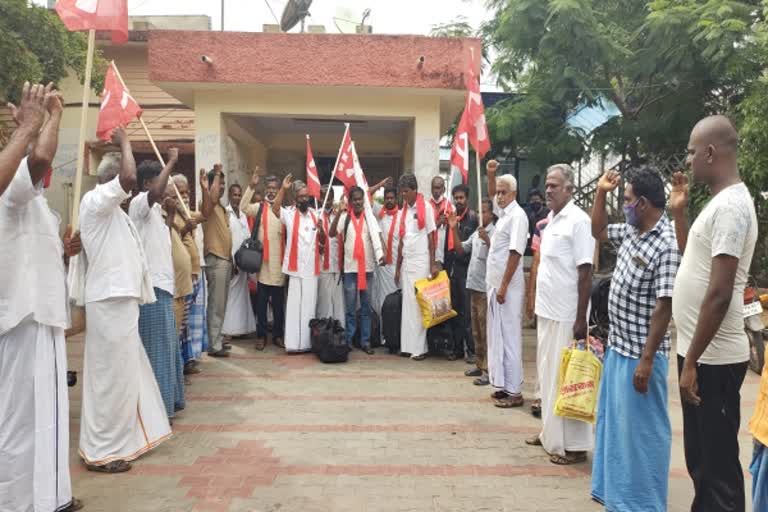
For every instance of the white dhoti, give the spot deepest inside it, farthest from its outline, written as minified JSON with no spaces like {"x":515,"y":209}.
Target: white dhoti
{"x":238,"y":317}
{"x":505,"y":338}
{"x":413,"y":335}
{"x":558,"y":434}
{"x":300,"y":309}
{"x":330,"y":297}
{"x":34,"y":419}
{"x":123,"y":415}
{"x":383,"y":286}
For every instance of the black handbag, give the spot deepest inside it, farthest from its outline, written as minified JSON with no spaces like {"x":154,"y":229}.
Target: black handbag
{"x":250,"y":255}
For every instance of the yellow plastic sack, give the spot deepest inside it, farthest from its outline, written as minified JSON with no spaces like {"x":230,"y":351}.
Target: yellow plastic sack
{"x":434,"y":298}
{"x":578,"y":383}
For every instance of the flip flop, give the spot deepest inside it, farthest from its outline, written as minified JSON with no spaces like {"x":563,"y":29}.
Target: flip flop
{"x":569,"y":459}
{"x":118,"y":466}
{"x":509,"y":402}
{"x":533,"y":441}
{"x":73,"y":506}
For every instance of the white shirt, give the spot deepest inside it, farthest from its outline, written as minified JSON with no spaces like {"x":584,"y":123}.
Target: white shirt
{"x":238,"y":227}
{"x":31,"y":265}
{"x":385,"y":223}
{"x":566,"y":244}
{"x":156,"y":237}
{"x":415,"y":241}
{"x":726,"y":226}
{"x":350,"y":237}
{"x":306,"y":243}
{"x":115,"y":266}
{"x":511,"y":234}
{"x":331,"y":242}
{"x":477,"y":262}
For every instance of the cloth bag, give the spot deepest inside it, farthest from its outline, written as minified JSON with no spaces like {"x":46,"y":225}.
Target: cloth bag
{"x":578,"y":382}
{"x":250,"y":255}
{"x":434,"y":298}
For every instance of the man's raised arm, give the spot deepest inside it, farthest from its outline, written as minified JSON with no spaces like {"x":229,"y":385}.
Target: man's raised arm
{"x":30,"y":116}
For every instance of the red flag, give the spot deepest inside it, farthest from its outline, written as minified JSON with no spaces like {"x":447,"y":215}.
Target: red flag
{"x":110,"y":15}
{"x":475,"y":113}
{"x":313,"y":180}
{"x":345,"y":165}
{"x":118,"y":108}
{"x":460,"y":148}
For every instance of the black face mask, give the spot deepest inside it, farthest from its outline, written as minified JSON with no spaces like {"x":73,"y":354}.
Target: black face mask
{"x":303,"y":206}
{"x":536,"y":207}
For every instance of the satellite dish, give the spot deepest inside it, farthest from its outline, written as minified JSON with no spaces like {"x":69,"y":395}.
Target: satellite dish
{"x":296,"y":11}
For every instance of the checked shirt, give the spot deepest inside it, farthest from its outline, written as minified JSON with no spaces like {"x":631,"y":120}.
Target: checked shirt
{"x":646,"y":266}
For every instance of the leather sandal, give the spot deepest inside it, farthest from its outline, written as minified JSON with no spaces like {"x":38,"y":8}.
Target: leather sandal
{"x":533,"y":441}
{"x":117,"y":466}
{"x":570,"y":458}
{"x":261,"y":343}
{"x":74,"y":505}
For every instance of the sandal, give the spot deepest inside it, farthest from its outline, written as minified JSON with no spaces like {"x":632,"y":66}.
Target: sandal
{"x":498,"y":395}
{"x":474,"y":372}
{"x":279,"y":342}
{"x":74,"y":505}
{"x":117,"y":466}
{"x":536,"y":408}
{"x":419,"y":358}
{"x":452,"y":357}
{"x":533,"y":441}
{"x":369,"y":351}
{"x":509,"y":402}
{"x":261,"y":343}
{"x":570,"y":458}
{"x":481,"y":381}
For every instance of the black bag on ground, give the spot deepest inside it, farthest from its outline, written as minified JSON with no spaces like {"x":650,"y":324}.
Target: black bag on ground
{"x":328,"y":340}
{"x":391,"y":313}
{"x":250,"y":255}
{"x":375,"y":331}
{"x":440,"y":340}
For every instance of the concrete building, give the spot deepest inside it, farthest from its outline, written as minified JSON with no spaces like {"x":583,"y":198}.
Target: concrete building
{"x":255,"y":96}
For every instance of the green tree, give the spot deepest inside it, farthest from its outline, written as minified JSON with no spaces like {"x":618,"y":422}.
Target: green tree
{"x":663,"y":63}
{"x":35,"y":46}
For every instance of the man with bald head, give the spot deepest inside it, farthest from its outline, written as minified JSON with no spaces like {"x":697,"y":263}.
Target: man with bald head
{"x":712,"y":346}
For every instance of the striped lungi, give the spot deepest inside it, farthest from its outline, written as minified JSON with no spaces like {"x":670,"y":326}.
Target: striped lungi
{"x":157,"y":328}
{"x":195,"y":339}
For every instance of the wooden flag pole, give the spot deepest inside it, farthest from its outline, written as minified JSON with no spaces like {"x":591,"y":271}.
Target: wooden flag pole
{"x":75,"y":221}
{"x":154,"y":146}
{"x":479,"y":187}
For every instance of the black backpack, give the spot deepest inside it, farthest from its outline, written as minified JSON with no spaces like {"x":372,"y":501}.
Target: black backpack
{"x":440,"y":340}
{"x":329,"y":340}
{"x":391,"y":314}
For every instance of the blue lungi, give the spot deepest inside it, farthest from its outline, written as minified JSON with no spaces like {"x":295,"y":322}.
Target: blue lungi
{"x":759,"y":470}
{"x":195,"y":337}
{"x":157,"y":328}
{"x":630,"y":469}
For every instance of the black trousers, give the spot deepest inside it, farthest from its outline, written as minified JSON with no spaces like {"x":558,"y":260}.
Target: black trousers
{"x":711,"y":442}
{"x":462,"y":324}
{"x":274,"y":295}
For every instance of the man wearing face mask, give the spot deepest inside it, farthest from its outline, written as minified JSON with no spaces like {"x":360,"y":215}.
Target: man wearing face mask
{"x":301,"y":262}
{"x":632,"y":421}
{"x":536,"y":210}
{"x":271,"y":287}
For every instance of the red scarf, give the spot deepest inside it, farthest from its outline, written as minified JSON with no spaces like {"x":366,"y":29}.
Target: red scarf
{"x":359,"y":251}
{"x":421,"y":214}
{"x":392,"y":213}
{"x":293,"y":259}
{"x":327,"y":250}
{"x":443,"y":208}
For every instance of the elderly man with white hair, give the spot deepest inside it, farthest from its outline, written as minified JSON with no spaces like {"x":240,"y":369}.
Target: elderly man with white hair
{"x":563,"y":288}
{"x":505,"y":291}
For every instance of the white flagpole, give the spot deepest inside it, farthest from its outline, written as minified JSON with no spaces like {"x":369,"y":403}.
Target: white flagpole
{"x":154,"y":146}
{"x":83,"y":127}
{"x":333,"y":171}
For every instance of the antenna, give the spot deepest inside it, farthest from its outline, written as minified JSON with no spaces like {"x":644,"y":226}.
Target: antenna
{"x":295,"y":11}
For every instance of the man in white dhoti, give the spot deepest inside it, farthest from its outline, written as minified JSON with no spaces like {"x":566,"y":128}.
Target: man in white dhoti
{"x":238,"y":317}
{"x":505,"y":292}
{"x":301,"y":263}
{"x":384,"y":280}
{"x":330,"y":292}
{"x":34,"y":408}
{"x":563,"y":288}
{"x":123,"y":415}
{"x":415,"y":260}
{"x":441,"y":207}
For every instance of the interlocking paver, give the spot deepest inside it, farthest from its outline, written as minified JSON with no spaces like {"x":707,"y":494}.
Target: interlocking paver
{"x":270,"y":432}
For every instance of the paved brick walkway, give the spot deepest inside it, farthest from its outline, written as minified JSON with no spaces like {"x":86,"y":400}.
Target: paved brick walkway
{"x":272,"y":432}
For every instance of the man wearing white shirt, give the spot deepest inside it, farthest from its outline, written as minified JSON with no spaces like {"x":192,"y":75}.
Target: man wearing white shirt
{"x":563,"y":288}
{"x":123,"y":415}
{"x":505,"y":292}
{"x":157,"y":324}
{"x":34,"y":408}
{"x":384,"y":279}
{"x":330,"y":292}
{"x":301,"y":263}
{"x":415,"y":261}
{"x":359,"y":264}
